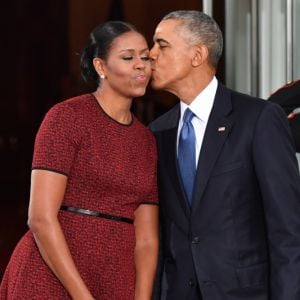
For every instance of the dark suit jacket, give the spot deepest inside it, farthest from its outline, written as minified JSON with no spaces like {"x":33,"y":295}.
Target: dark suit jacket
{"x":241,"y":237}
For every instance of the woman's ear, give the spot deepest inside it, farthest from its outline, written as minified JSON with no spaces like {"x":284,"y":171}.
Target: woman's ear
{"x":99,"y":66}
{"x":200,"y":55}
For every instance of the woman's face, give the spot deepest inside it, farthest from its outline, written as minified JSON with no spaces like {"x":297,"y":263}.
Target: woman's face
{"x":127,"y":68}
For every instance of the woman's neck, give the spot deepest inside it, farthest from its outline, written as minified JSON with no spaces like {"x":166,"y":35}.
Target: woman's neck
{"x":118,"y":108}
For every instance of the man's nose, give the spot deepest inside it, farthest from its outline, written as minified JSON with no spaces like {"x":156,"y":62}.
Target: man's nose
{"x":152,"y":53}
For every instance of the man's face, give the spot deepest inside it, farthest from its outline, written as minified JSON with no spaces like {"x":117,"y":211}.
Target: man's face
{"x":171,"y":56}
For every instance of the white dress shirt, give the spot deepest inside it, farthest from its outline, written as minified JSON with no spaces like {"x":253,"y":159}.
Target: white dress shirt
{"x":201,"y":106}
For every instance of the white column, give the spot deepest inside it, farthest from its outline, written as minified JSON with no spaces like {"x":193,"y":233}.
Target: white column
{"x":296,"y":39}
{"x":208,"y":7}
{"x":289,"y":40}
{"x":238,"y":45}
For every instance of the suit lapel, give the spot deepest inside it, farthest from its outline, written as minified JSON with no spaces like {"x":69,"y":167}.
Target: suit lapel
{"x":169,"y":147}
{"x":218,"y":127}
{"x":170,"y":155}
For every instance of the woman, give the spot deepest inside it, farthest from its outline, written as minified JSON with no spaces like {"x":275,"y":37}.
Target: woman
{"x":93,"y":228}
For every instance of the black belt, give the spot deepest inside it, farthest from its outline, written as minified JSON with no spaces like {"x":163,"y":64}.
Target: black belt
{"x":95,"y":214}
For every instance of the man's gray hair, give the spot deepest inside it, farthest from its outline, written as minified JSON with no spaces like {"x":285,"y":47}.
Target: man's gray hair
{"x":202,"y":29}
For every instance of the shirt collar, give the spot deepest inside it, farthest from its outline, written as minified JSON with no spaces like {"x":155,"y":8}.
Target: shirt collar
{"x":201,"y":106}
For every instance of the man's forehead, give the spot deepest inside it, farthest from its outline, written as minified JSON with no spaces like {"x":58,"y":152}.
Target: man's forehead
{"x":166,"y":26}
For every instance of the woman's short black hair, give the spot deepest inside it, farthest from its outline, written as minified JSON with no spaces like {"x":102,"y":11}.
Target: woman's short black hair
{"x":99,"y":44}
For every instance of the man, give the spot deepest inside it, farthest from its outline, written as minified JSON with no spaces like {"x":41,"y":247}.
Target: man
{"x":228,"y":178}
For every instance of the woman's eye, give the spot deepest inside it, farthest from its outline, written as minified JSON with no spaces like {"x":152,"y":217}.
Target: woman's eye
{"x":146,"y":58}
{"x":127,"y":57}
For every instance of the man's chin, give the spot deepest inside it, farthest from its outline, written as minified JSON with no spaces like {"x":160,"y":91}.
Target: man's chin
{"x":156,"y":85}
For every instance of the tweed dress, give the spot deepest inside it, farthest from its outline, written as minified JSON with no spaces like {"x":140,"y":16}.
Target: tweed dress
{"x":111,"y":168}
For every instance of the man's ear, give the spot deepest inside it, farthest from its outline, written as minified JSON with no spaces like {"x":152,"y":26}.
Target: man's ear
{"x":99,"y":66}
{"x":200,"y":55}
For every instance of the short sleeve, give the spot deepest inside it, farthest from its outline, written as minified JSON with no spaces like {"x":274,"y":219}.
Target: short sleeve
{"x":152,"y":197}
{"x":57,"y":140}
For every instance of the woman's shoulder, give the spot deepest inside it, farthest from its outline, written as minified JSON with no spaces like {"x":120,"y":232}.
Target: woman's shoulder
{"x":78,"y":102}
{"x":71,"y":108}
{"x":144,"y":131}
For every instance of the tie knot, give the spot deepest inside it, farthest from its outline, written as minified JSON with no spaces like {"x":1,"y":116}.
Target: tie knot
{"x":188,"y":116}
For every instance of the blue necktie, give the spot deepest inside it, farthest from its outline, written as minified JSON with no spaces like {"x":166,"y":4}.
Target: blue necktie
{"x":186,"y":154}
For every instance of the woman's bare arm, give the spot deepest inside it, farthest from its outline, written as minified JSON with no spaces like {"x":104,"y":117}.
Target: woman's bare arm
{"x":46,"y":195}
{"x":146,"y":250}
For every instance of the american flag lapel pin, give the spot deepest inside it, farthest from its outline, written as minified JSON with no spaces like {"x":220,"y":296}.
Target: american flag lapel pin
{"x":222,"y":128}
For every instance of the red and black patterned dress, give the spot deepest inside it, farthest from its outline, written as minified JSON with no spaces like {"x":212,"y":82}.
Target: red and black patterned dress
{"x":111,"y":169}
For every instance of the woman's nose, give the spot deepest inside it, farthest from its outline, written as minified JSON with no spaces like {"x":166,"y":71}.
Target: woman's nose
{"x":140,"y":64}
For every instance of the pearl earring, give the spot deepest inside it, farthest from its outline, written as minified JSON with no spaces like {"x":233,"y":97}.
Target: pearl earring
{"x":102,"y":76}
